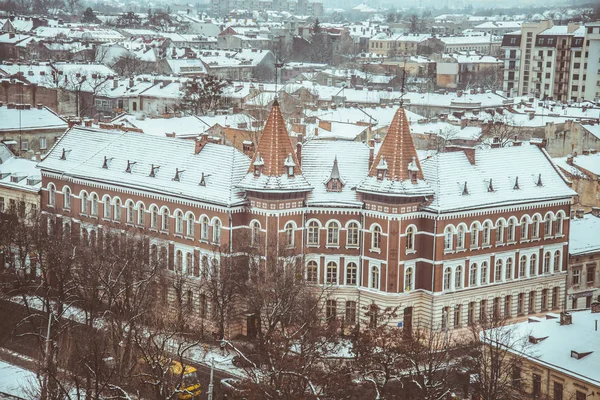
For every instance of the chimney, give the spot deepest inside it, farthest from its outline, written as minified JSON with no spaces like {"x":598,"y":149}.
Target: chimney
{"x":593,"y":151}
{"x":115,"y":82}
{"x":131,"y":82}
{"x":459,"y":93}
{"x":10,"y":106}
{"x":531,"y":115}
{"x":88,"y":123}
{"x":579,"y":212}
{"x":570,"y":159}
{"x":596,"y":211}
{"x":464,"y":123}
{"x":299,"y":151}
{"x":316,"y":132}
{"x":40,"y":106}
{"x":566,"y":318}
{"x":325,"y":125}
{"x":595,"y":307}
{"x":371,"y":152}
{"x":469,"y":152}
{"x":200,"y":143}
{"x":20,"y":106}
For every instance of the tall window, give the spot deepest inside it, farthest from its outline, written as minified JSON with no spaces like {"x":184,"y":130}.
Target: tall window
{"x":117,"y":210}
{"x":524,"y":226}
{"x":333,"y":234}
{"x":498,"y":271}
{"x":447,"y":278}
{"x":458,"y":277}
{"x":511,"y":229}
{"x":576,"y":276}
{"x":508,"y":274}
{"x":289,"y":234}
{"x":204,"y":228}
{"x":255,"y":233}
{"x":165,"y":220}
{"x":312,"y":272}
{"x":350,"y":312}
{"x":535,"y":227}
{"x":533,"y":265}
{"x":179,"y":222}
{"x":190,"y":225}
{"x":484,"y":272}
{"x":154,"y":217}
{"x":500,"y":231}
{"x":548,"y":225}
{"x":547,"y":262}
{"x":375,"y":277}
{"x":522,"y":266}
{"x":130,"y":212}
{"x":473,"y":274}
{"x":313,"y":233}
{"x":487,"y":229}
{"x":409,"y":279}
{"x":84,"y":203}
{"x":460,"y":237}
{"x":332,"y":273}
{"x":559,"y":224}
{"x":141,"y":214}
{"x":330,"y":310}
{"x":179,"y":260}
{"x":376,"y":238}
{"x":352,"y":239}
{"x":51,"y":195}
{"x":106,"y":206}
{"x":351,"y":273}
{"x":448,"y":234}
{"x":557,"y":261}
{"x":474,"y":235}
{"x":94,"y":204}
{"x":66,"y":197}
{"x":410,"y":238}
{"x":217,"y":231}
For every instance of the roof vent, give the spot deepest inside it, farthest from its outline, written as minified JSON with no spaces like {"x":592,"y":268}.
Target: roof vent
{"x":579,"y":355}
{"x":491,"y":186}
{"x":465,"y":191}
{"x":153,"y":170}
{"x":106,"y":162}
{"x":63,"y":156}
{"x":516,"y":187}
{"x":178,"y":173}
{"x":539,"y":182}
{"x":203,"y":179}
{"x":536,"y":340}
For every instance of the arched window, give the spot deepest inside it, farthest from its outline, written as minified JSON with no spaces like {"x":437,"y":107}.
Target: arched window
{"x":117,"y":210}
{"x":447,"y":277}
{"x":331,"y":275}
{"x":204,"y":228}
{"x":165,"y":219}
{"x":255,"y":234}
{"x":460,"y":237}
{"x":94,"y":202}
{"x":333,"y":234}
{"x":533,"y":265}
{"x":487,"y":230}
{"x":312,"y":235}
{"x":375,"y":277}
{"x":51,"y":195}
{"x":84,"y":203}
{"x":410,"y":238}
{"x":217,"y":231}
{"x":512,"y":225}
{"x":474,"y":235}
{"x":179,"y":222}
{"x":508,"y":274}
{"x":535,"y":227}
{"x":559,"y":223}
{"x":484,"y":273}
{"x":289,"y":234}
{"x":179,"y":260}
{"x":409,"y":282}
{"x":458,"y":278}
{"x":524,"y":228}
{"x":312,"y":272}
{"x":351,"y":273}
{"x":547,"y":258}
{"x":141,"y":214}
{"x":548,"y":225}
{"x":498,"y":271}
{"x":557,"y":266}
{"x":448,"y":236}
{"x":66,"y":197}
{"x":473,"y":274}
{"x":189,"y":263}
{"x":190,"y":225}
{"x":522,"y":266}
{"x":154,"y":217}
{"x":376,"y":238}
{"x":352,"y":238}
{"x":130,"y":212}
{"x":106,"y":207}
{"x":500,"y":231}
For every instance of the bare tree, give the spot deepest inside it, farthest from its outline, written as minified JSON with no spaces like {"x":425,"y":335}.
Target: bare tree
{"x":199,"y":95}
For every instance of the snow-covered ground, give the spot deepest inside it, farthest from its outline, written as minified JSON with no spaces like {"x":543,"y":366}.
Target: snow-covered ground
{"x":16,"y":381}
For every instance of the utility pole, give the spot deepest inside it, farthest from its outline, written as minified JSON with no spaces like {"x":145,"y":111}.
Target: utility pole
{"x":211,"y":386}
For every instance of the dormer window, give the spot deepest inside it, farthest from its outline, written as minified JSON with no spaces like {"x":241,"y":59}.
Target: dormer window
{"x":381,"y":169}
{"x":413,"y":170}
{"x":129,"y":165}
{"x":289,"y":164}
{"x":335,"y":183}
{"x":153,"y":170}
{"x":258,"y":164}
{"x":579,"y":355}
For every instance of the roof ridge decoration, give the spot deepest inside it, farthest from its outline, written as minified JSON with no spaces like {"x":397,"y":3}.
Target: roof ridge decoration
{"x":398,"y":150}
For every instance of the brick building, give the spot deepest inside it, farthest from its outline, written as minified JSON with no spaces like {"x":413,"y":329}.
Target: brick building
{"x":450,"y":239}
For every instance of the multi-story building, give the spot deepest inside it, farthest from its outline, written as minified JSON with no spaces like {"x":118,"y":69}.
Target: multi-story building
{"x":20,"y":184}
{"x":553,"y":62}
{"x":449,"y":239}
{"x":583,"y":282}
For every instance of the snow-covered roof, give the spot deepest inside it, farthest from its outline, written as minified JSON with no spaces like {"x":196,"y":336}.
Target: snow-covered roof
{"x":500,"y":25}
{"x":448,"y":172}
{"x":337,"y":131}
{"x":317,"y":163}
{"x":467,"y":40}
{"x":19,"y":173}
{"x":222,"y":166}
{"x":559,"y":341}
{"x":29,"y":119}
{"x":593,"y":129}
{"x":583,"y":235}
{"x":183,"y":66}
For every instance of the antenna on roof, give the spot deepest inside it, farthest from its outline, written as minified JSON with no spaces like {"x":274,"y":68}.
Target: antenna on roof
{"x":278,"y":64}
{"x":403,"y":84}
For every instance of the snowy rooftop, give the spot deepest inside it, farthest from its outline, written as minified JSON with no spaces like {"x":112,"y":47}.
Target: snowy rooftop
{"x":583,"y":235}
{"x":13,"y":119}
{"x":448,"y":172}
{"x":20,"y":174}
{"x":85,"y":149}
{"x":466,"y":40}
{"x":559,"y":341}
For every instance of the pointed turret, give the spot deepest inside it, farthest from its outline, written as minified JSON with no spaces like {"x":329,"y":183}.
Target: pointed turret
{"x":335,"y":183}
{"x":275,"y":165}
{"x":396,"y":171}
